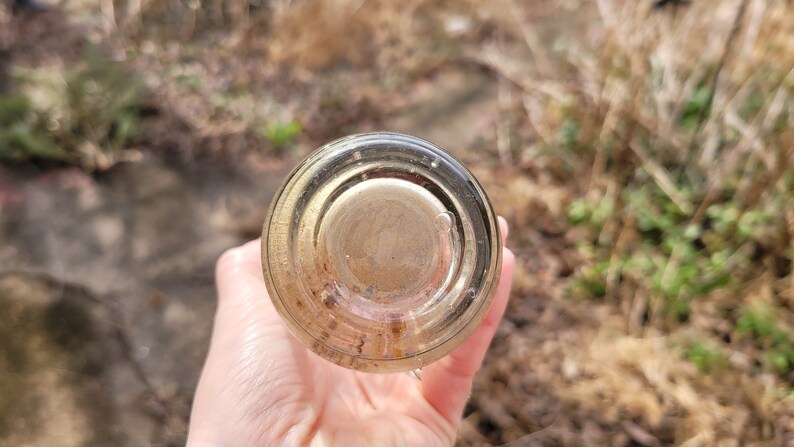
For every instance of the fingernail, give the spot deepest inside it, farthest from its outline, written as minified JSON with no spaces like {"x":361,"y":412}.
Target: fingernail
{"x":503,"y":223}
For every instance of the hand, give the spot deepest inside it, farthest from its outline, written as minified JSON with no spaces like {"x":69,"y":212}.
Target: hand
{"x":261,"y":387}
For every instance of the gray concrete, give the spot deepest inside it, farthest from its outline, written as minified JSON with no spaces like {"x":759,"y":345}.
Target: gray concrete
{"x":138,"y":244}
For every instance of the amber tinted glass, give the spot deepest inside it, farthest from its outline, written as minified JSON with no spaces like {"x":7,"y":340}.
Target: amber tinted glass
{"x":381,"y":252}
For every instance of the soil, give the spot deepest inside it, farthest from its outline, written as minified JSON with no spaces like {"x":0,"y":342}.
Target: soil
{"x":106,"y":278}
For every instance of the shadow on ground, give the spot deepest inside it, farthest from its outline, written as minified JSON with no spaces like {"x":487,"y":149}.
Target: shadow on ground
{"x":65,"y":378}
{"x":139,"y":244}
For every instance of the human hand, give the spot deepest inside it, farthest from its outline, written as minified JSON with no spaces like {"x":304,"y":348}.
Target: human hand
{"x":261,"y":387}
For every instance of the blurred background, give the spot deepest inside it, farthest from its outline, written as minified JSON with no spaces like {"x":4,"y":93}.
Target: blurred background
{"x":641,"y":151}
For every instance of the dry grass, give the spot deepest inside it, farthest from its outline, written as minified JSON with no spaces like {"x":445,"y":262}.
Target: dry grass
{"x":668,"y":119}
{"x":675,"y":129}
{"x":663,"y":314}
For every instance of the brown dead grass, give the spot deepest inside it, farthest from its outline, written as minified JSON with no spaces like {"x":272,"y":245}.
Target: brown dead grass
{"x":627,"y":86}
{"x":560,"y":372}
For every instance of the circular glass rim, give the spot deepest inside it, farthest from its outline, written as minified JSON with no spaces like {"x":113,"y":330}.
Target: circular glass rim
{"x":435,"y":351}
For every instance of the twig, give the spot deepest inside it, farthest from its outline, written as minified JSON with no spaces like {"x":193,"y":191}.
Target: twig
{"x":789,"y":212}
{"x":737,"y":21}
{"x":503,"y":126}
{"x":109,"y":12}
{"x":660,"y":176}
{"x":547,"y":88}
{"x":717,"y":178}
{"x":530,"y":110}
{"x":533,"y":42}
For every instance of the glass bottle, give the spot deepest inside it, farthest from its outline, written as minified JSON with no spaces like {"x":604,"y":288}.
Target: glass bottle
{"x":381,"y":252}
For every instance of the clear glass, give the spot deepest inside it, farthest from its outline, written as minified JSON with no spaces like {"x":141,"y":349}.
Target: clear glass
{"x":381,"y":252}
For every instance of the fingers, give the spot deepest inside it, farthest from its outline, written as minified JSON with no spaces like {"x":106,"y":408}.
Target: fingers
{"x":237,"y":267}
{"x":248,"y":347}
{"x":446,"y":383}
{"x":242,"y":295}
{"x":504,"y":229}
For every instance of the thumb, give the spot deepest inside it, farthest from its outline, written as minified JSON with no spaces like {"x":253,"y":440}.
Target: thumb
{"x":238,"y":268}
{"x":242,"y":295}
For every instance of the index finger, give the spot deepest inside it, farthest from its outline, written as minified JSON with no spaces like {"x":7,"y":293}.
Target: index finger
{"x":446,"y":383}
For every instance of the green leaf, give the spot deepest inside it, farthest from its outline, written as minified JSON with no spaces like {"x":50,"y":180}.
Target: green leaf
{"x":578,"y":211}
{"x":698,"y":105}
{"x":780,"y":361}
{"x":280,"y":134}
{"x":30,"y":144}
{"x":13,"y":109}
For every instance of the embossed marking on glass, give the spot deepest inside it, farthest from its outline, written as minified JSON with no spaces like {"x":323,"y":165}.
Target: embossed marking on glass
{"x":381,"y":252}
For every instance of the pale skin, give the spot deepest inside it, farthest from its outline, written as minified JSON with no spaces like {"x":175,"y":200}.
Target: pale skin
{"x":261,"y":387}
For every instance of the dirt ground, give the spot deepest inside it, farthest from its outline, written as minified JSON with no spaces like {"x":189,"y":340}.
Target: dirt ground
{"x":106,"y":275}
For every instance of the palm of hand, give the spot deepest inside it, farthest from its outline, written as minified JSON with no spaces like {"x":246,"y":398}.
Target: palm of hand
{"x":354,"y":408}
{"x":261,"y":387}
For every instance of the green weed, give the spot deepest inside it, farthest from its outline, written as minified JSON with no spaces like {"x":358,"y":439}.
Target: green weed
{"x":697,"y":107}
{"x":667,"y":254}
{"x":760,"y":324}
{"x":20,"y":137}
{"x":189,"y":80}
{"x":104,"y":100}
{"x":83,"y":115}
{"x":678,"y":205}
{"x":280,"y":134}
{"x":706,"y":359}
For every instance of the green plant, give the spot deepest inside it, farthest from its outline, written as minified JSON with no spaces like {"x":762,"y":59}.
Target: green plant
{"x":189,"y":80}
{"x":104,"y":100}
{"x":705,"y":358}
{"x":677,"y":203}
{"x":760,"y":323}
{"x":696,"y":108}
{"x":279,"y":133}
{"x":595,"y":213}
{"x":20,"y":136}
{"x":668,"y":254}
{"x":591,"y":281}
{"x":85,"y":114}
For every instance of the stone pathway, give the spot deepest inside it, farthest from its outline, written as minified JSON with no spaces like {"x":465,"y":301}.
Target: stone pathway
{"x":123,"y":264}
{"x":66,"y":377}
